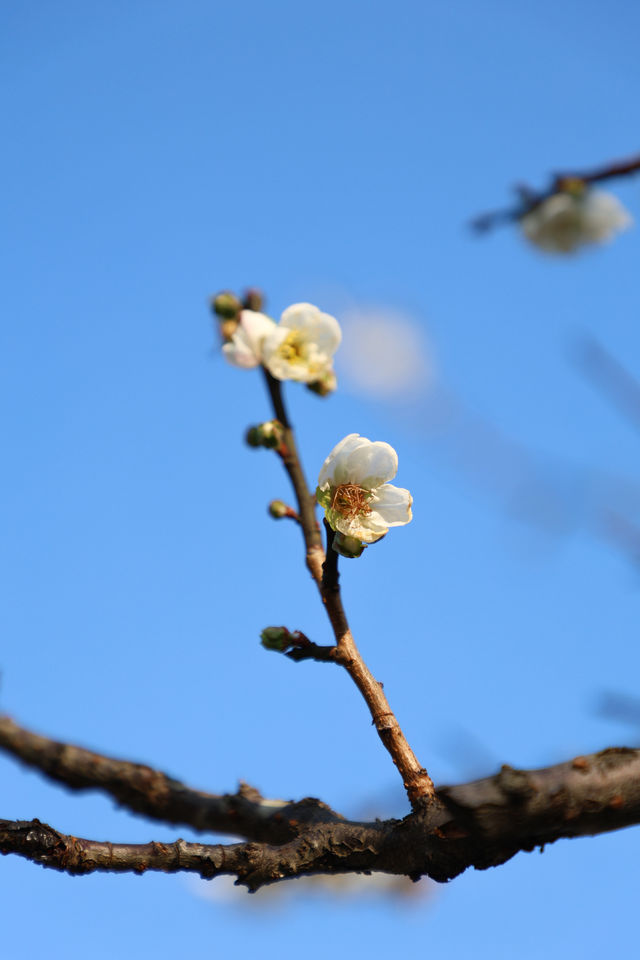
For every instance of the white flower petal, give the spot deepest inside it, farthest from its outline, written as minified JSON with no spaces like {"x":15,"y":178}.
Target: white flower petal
{"x":358,"y":460}
{"x":321,"y":328}
{"x":603,"y":216}
{"x":342,"y":449}
{"x":256,"y":326}
{"x":391,"y":506}
{"x":372,"y":464}
{"x":239,"y":351}
{"x":566,"y":221}
{"x":245,"y":348}
{"x":365,"y":528}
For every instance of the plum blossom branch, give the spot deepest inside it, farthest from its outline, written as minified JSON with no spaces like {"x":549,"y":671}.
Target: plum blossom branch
{"x":560,"y":183}
{"x":323,"y":569}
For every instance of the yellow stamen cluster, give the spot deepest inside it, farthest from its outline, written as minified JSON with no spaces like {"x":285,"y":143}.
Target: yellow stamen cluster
{"x":350,"y":501}
{"x":292,"y":349}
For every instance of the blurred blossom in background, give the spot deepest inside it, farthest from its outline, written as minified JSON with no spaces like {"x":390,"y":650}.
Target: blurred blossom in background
{"x":385,"y":354}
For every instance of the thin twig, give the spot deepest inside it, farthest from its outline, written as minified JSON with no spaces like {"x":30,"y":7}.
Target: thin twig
{"x":323,"y":568}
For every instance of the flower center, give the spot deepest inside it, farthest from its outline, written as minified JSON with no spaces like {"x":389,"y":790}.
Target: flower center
{"x":350,"y":501}
{"x":293,"y":348}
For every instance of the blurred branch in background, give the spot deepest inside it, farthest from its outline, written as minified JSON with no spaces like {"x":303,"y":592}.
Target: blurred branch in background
{"x":566,"y":182}
{"x":610,"y":377}
{"x":621,"y":708}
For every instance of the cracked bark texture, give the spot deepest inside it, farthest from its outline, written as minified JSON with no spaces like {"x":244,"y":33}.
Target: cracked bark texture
{"x":481,"y":824}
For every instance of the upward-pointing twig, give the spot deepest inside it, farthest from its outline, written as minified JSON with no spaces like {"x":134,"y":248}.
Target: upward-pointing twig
{"x":324,"y":570}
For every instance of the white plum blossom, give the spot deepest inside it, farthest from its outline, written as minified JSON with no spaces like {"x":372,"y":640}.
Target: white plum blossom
{"x":300,"y":347}
{"x":568,"y":220}
{"x":245,"y":348}
{"x":355,"y":493}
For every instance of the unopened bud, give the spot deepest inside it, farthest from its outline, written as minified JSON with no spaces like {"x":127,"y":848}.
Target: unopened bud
{"x":324,"y":385}
{"x":253,"y":437}
{"x":272,"y":434}
{"x":348,"y":547}
{"x":253,"y":299}
{"x":275,"y":638}
{"x":269,"y":435}
{"x":278,"y":509}
{"x":226,"y":305}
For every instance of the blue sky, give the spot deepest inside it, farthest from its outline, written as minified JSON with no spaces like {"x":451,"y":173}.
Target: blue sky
{"x":157,"y":152}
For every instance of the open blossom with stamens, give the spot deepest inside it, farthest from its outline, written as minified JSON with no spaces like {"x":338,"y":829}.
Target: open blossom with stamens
{"x":300,"y":347}
{"x":568,"y":220}
{"x":354,"y":489}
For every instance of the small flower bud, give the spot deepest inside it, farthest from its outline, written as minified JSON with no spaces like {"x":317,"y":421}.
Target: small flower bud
{"x":278,"y":509}
{"x":348,"y":547}
{"x":253,"y":300}
{"x":269,"y":435}
{"x":275,"y":638}
{"x":226,"y":305}
{"x":324,"y":385}
{"x":253,"y":437}
{"x":272,"y":434}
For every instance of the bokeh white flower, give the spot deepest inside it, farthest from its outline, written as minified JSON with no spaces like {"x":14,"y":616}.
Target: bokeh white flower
{"x":566,"y":221}
{"x":245,"y":348}
{"x":355,"y":493}
{"x":300,"y":347}
{"x":385,"y":353}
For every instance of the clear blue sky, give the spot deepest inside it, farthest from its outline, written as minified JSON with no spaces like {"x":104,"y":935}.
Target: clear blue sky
{"x":154,"y":152}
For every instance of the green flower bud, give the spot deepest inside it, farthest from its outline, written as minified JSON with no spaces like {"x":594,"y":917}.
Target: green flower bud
{"x":324,"y":385}
{"x":278,"y":509}
{"x":272,"y":434}
{"x":253,"y":437}
{"x":226,"y":305}
{"x":347,"y":547}
{"x":275,"y":638}
{"x":269,"y":435}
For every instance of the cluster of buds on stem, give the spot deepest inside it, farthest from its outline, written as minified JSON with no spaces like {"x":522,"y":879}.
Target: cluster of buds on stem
{"x":227,"y":308}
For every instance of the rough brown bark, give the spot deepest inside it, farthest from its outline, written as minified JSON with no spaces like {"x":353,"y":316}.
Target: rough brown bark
{"x":479,"y":824}
{"x":158,"y":796}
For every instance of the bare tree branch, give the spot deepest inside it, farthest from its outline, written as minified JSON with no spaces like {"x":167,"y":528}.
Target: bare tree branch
{"x":158,"y":796}
{"x":479,"y":824}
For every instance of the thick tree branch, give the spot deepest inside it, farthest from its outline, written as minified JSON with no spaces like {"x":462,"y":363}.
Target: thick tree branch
{"x":479,"y":824}
{"x":324,"y":570}
{"x":519,"y":809}
{"x":158,"y":796}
